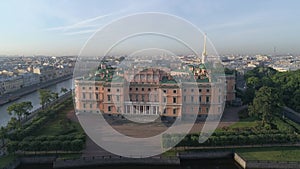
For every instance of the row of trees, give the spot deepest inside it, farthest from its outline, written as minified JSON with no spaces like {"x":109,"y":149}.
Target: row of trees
{"x":37,"y":122}
{"x":192,"y":140}
{"x":66,"y":145}
{"x":269,"y":90}
{"x":19,"y":136}
{"x":22,"y":109}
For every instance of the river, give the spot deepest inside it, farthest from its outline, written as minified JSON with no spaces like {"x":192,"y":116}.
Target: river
{"x":34,"y":98}
{"x":185,"y":164}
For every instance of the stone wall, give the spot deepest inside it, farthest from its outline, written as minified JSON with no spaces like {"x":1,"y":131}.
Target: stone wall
{"x":37,"y":160}
{"x":248,"y":164}
{"x":96,"y":161}
{"x":239,"y":160}
{"x":272,"y":164}
{"x":205,"y":155}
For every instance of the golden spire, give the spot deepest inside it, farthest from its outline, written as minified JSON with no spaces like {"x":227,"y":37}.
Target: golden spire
{"x":204,"y":54}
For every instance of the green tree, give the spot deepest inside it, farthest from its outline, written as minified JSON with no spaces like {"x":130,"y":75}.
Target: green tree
{"x":13,"y":123}
{"x":63,"y":90}
{"x":296,"y":100}
{"x":3,"y":134}
{"x":12,"y":146}
{"x":253,"y":82}
{"x":20,"y":109}
{"x":265,"y":103}
{"x":46,"y":96}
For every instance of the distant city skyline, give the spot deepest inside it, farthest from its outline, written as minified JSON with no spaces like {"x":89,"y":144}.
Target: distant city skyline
{"x":57,"y":28}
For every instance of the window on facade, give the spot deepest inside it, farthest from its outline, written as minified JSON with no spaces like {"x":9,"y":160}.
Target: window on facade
{"x":118,"y":98}
{"x":184,"y":90}
{"x":184,"y":98}
{"x":91,"y":105}
{"x":207,"y":90}
{"x":174,"y":111}
{"x":84,"y":105}
{"x":90,"y":88}
{"x":83,"y":95}
{"x":136,"y":97}
{"x":165,"y":91}
{"x":118,"y":90}
{"x":97,"y":96}
{"x":165,"y":111}
{"x":207,"y":109}
{"x":108,"y":90}
{"x":137,"y":89}
{"x":199,"y":99}
{"x":165,"y":99}
{"x":118,"y":109}
{"x":96,"y":88}
{"x":143,"y":98}
{"x":207,"y":99}
{"x":200,"y":110}
{"x":83,"y":88}
{"x":90,"y":94}
{"x":130,"y":89}
{"x":109,"y":108}
{"x":192,"y":99}
{"x":174,"y":99}
{"x":149,"y":89}
{"x":174,"y":91}
{"x":142,"y":89}
{"x":192,"y":90}
{"x":108,"y":97}
{"x":200,"y":90}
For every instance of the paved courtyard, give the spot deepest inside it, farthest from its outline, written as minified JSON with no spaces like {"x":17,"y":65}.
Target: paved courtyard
{"x":230,"y":116}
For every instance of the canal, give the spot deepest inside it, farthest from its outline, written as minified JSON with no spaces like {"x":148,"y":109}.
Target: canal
{"x":34,"y":98}
{"x":185,"y":164}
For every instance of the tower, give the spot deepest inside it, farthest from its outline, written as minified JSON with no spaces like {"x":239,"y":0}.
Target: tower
{"x":204,"y":55}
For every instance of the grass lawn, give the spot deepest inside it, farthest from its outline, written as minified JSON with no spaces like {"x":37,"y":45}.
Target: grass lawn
{"x":59,"y":125}
{"x":271,"y":153}
{"x":5,"y":160}
{"x":243,"y":124}
{"x":245,"y":121}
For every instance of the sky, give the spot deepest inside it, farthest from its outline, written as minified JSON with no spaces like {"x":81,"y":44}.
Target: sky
{"x":62,"y":27}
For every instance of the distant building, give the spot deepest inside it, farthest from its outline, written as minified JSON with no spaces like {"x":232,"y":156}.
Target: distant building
{"x":12,"y":83}
{"x":46,"y":73}
{"x":30,"y":79}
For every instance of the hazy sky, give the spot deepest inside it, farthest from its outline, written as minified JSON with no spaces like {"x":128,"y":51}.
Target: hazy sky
{"x":61,"y":27}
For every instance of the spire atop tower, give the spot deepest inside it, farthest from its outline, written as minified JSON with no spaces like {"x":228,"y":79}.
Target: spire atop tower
{"x":204,"y":54}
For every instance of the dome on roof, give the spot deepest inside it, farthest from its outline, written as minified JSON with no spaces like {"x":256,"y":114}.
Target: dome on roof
{"x":202,"y":66}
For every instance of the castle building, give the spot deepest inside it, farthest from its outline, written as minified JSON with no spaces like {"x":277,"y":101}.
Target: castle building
{"x":154,"y":91}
